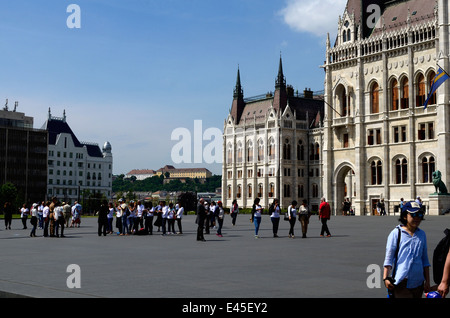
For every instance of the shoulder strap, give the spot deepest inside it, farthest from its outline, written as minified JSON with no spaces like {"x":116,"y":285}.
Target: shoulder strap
{"x":396,"y":251}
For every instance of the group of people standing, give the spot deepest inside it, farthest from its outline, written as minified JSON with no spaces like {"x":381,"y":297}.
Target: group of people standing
{"x":51,"y":217}
{"x":137,"y":218}
{"x":294,"y":211}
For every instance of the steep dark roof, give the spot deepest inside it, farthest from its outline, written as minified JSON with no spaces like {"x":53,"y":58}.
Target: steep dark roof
{"x":56,"y":127}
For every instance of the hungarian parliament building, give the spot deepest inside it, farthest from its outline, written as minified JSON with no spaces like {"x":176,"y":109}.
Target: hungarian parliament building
{"x":368,"y":136}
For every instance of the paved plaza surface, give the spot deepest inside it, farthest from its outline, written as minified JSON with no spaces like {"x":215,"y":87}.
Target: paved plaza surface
{"x":177,"y":266}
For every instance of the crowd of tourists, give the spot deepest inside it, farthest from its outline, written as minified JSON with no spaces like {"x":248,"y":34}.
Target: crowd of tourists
{"x":51,"y":217}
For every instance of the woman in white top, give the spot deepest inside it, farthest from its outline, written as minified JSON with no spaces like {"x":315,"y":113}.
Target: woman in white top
{"x":180,"y":211}
{"x":256,"y":216}
{"x":149,"y":213}
{"x":24,"y":215}
{"x":171,"y":215}
{"x":119,"y":214}
{"x":34,"y":219}
{"x":292,"y":212}
{"x":274,"y":209}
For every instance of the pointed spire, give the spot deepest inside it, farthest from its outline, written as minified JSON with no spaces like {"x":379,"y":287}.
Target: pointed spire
{"x":238,"y":91}
{"x":281,"y":81}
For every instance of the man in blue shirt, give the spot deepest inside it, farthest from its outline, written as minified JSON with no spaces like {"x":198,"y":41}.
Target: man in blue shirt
{"x":411,"y":275}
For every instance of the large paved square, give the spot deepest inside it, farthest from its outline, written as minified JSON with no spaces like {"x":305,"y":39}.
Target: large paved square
{"x":177,"y":266}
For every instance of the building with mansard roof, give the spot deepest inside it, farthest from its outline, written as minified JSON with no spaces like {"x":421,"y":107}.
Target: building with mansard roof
{"x":380,"y":142}
{"x":76,"y":168}
{"x":272,"y":146}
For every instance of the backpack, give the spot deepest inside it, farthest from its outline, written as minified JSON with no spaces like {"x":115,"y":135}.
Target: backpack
{"x":440,"y":256}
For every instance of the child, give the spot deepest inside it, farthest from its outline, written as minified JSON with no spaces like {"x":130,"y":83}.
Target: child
{"x":411,"y":276}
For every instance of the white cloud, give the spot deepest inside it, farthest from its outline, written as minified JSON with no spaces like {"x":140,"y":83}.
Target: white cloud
{"x":318,"y":17}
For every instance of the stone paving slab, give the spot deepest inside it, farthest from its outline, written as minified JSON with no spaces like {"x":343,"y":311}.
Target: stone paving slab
{"x":177,"y":266}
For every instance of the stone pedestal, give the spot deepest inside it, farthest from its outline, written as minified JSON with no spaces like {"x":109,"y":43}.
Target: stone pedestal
{"x":439,"y":203}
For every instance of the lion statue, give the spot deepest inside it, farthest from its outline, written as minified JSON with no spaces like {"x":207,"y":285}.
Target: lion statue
{"x":438,"y":184}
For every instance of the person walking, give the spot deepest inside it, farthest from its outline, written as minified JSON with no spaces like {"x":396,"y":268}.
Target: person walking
{"x":406,"y":252}
{"x":200,"y":220}
{"x":8,"y":213}
{"x":274,"y":211}
{"x":67,"y":210}
{"x":180,"y":212}
{"x":256,"y":216}
{"x":220,"y":214}
{"x":292,"y":214}
{"x":303,"y":216}
{"x":324,"y":216}
{"x":234,"y":212}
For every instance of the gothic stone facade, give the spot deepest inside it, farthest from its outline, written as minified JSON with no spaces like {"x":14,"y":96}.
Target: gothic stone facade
{"x":272,"y":147}
{"x":380,"y":142}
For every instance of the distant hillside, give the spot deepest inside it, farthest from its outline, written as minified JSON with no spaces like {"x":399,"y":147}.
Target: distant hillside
{"x":156,"y":183}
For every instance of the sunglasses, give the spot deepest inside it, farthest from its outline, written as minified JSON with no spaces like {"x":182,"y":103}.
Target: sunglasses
{"x":416,"y":214}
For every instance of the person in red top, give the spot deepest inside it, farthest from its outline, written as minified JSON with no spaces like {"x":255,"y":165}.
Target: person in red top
{"x":324,"y":216}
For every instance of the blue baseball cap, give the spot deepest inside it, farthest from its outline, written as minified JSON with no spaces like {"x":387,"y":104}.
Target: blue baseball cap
{"x":411,"y":207}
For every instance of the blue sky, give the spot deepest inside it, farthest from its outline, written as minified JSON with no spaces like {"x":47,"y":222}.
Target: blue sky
{"x":138,"y":69}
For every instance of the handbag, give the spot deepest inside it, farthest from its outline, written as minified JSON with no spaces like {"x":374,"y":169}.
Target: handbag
{"x":391,"y":278}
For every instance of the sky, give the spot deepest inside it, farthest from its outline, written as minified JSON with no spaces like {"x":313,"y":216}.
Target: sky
{"x":136,"y":70}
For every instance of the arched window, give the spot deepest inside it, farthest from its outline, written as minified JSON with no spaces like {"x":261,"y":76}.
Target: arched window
{"x":317,"y":152}
{"x":260,"y":190}
{"x":250,"y":152}
{"x":271,"y":190}
{"x":260,"y":150}
{"x":300,"y":150}
{"x":249,"y":190}
{"x":401,"y":171}
{"x":428,"y":167}
{"x":230,"y":153}
{"x":239,"y":153}
{"x":271,"y":149}
{"x":344,"y":36}
{"x":229,"y":192}
{"x":394,"y":95}
{"x":431,"y":77}
{"x":376,"y":172}
{"x":375,"y":98}
{"x":239,"y":192}
{"x":287,"y":149}
{"x":404,"y":93}
{"x":421,"y":91}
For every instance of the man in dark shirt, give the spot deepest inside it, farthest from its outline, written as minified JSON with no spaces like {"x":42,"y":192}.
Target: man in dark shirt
{"x":201,"y":216}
